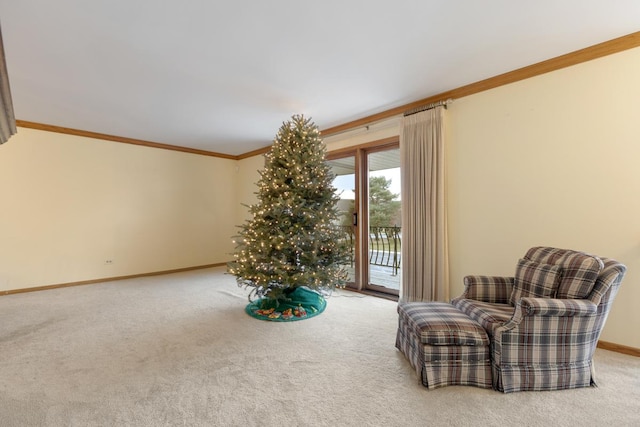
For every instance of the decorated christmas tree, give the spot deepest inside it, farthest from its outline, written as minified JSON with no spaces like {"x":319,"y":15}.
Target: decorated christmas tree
{"x":293,"y":247}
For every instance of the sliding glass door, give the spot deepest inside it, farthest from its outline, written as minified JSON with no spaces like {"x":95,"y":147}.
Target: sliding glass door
{"x":368,"y":183}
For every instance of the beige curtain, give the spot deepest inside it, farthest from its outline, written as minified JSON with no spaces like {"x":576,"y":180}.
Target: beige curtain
{"x":425,"y":261}
{"x":7,"y":118}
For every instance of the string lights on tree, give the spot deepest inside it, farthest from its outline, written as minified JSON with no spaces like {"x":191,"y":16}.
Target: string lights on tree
{"x":293,"y":243}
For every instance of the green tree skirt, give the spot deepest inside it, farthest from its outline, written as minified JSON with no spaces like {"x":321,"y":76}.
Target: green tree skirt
{"x":302,"y":303}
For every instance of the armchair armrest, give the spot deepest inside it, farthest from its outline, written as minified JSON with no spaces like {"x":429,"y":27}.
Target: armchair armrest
{"x":529,"y":307}
{"x":557,"y":307}
{"x":494,"y":289}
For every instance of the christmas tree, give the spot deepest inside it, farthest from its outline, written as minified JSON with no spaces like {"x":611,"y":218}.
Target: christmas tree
{"x":294,"y":239}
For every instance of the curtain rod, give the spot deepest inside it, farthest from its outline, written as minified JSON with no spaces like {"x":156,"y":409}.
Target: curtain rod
{"x":428,"y":107}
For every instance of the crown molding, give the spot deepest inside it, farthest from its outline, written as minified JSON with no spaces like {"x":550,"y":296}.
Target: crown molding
{"x":257,"y":152}
{"x":610,"y":47}
{"x":122,"y":139}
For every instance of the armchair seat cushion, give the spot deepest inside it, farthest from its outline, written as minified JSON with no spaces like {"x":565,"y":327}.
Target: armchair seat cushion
{"x":489,"y":315}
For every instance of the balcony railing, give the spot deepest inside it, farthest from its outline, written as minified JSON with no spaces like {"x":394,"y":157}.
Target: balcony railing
{"x":384,"y":246}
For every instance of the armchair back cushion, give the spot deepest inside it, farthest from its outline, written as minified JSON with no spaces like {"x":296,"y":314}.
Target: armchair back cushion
{"x":533,"y":279}
{"x":579,"y":270}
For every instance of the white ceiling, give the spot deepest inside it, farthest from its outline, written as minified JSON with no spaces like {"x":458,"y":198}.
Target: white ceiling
{"x":222,"y":76}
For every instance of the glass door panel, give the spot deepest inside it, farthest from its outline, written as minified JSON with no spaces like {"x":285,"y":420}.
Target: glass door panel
{"x":384,"y":220}
{"x":345,"y":184}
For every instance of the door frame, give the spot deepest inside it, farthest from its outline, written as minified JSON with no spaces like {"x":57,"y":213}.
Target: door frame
{"x":360,"y":153}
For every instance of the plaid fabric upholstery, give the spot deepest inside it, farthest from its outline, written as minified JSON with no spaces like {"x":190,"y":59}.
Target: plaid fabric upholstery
{"x":538,"y":344}
{"x":579,"y":270}
{"x":444,"y":346}
{"x":458,"y":371}
{"x":561,"y":347}
{"x":439,"y":323}
{"x":557,"y":307}
{"x":606,"y":289}
{"x":612,"y":272}
{"x":488,"y":288}
{"x":545,"y":343}
{"x":540,"y":378}
{"x":535,"y":280}
{"x":488,"y":315}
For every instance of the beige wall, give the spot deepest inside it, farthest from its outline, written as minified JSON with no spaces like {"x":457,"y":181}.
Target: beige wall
{"x":547,"y":161}
{"x":248,"y":177}
{"x":71,"y":203}
{"x":552,"y":160}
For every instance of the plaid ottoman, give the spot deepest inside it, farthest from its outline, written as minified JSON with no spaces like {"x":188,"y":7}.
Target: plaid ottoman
{"x":443,"y":345}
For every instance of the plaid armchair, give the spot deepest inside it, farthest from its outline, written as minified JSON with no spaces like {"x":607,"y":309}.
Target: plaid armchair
{"x":544,"y":323}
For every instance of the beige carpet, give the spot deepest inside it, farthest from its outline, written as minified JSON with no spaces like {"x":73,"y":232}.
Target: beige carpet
{"x":179,"y":350}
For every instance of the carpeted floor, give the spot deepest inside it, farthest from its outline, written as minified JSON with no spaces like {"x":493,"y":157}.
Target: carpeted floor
{"x":179,"y":350}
